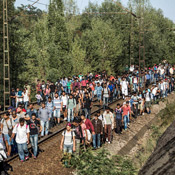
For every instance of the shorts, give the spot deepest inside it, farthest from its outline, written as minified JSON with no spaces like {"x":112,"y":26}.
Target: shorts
{"x":64,"y":108}
{"x":77,"y":109}
{"x":57,"y":113}
{"x":7,"y":138}
{"x":98,"y":97}
{"x":68,"y":149}
{"x":140,"y":107}
{"x":147,"y":104}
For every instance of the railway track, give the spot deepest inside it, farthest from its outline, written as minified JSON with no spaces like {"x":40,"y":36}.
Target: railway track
{"x":48,"y":138}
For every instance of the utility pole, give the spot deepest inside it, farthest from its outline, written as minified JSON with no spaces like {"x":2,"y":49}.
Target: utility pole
{"x":131,"y":41}
{"x":6,"y":57}
{"x":141,"y":42}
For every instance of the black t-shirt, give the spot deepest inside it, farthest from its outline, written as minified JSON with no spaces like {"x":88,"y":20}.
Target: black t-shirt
{"x":52,"y":88}
{"x":34,"y":126}
{"x":12,"y":94}
{"x":87,"y":102}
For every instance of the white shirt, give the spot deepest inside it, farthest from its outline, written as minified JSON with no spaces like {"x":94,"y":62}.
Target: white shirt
{"x":124,"y":84}
{"x":25,"y":96}
{"x":68,"y":137}
{"x":21,"y":133}
{"x":65,"y":100}
{"x":147,"y":97}
{"x":154,"y":91}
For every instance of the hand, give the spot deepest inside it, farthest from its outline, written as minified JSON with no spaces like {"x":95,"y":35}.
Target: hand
{"x":101,"y":133}
{"x":93,"y":133}
{"x":61,"y":148}
{"x":10,"y":139}
{"x":61,"y":110}
{"x":28,"y":142}
{"x":74,"y":149}
{"x":49,"y":119}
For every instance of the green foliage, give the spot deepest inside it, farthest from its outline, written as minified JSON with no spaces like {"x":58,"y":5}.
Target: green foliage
{"x":100,"y":162}
{"x":58,"y":43}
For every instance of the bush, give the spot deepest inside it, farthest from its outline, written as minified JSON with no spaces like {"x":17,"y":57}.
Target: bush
{"x":101,"y":162}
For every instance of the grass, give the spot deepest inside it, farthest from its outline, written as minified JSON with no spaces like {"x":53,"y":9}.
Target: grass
{"x":164,"y":120}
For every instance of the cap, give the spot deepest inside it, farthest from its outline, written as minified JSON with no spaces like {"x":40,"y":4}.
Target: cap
{"x":69,"y":124}
{"x":10,"y":107}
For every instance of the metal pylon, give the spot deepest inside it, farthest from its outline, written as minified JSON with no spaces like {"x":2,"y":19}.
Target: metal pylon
{"x":6,"y":57}
{"x":141,"y":40}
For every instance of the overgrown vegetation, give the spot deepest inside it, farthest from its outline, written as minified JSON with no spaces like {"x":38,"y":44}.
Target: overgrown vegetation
{"x":62,"y":42}
{"x":164,"y":119}
{"x":101,"y":162}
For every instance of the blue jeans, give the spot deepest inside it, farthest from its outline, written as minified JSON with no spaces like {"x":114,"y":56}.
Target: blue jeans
{"x":96,"y":140}
{"x":135,"y":86}
{"x":13,"y":103}
{"x":57,"y":113}
{"x":45,"y":126}
{"x":70,"y":115}
{"x":34,"y":143}
{"x":38,"y":101}
{"x":105,"y":102}
{"x":87,"y":113}
{"x":68,"y":149}
{"x":125,"y":119}
{"x":26,"y":104}
{"x":22,"y":150}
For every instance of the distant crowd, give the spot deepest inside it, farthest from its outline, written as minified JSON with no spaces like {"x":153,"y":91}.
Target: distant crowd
{"x":72,"y":99}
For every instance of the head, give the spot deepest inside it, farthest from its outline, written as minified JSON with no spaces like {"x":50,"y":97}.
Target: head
{"x":56,"y":95}
{"x":33,"y":116}
{"x":21,"y":121}
{"x":6,"y":115}
{"x":82,"y":116}
{"x":43,"y":105}
{"x":68,"y":126}
{"x":96,"y":116}
{"x":31,"y":106}
{"x":118,"y":105}
{"x":14,"y":114}
{"x":127,"y":103}
{"x":86,"y":94}
{"x":63,"y":93}
{"x":70,"y":96}
{"x":49,"y":99}
{"x":107,"y":110}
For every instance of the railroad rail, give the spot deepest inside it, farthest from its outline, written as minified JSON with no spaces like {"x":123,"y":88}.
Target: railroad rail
{"x":41,"y":141}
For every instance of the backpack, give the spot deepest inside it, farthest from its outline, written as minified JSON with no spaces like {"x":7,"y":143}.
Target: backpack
{"x":71,"y":135}
{"x":73,"y":101}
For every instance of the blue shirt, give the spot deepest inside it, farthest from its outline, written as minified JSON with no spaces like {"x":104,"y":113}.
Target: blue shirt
{"x":57,"y":102}
{"x":110,"y":87}
{"x":99,"y":90}
{"x":119,"y":113}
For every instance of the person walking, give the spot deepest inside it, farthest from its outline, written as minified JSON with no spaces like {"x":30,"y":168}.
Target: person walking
{"x":22,"y":133}
{"x":44,"y":115}
{"x":35,"y":129}
{"x":98,"y":128}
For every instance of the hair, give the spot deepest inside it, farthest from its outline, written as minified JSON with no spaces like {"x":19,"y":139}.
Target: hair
{"x":33,"y":114}
{"x":127,"y":102}
{"x":21,"y":120}
{"x":118,"y":104}
{"x":96,"y":115}
{"x":50,"y":98}
{"x":7,"y":114}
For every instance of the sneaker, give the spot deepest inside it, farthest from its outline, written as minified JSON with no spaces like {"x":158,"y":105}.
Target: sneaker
{"x":109,"y":142}
{"x":34,"y":157}
{"x":107,"y":139}
{"x":22,"y":160}
{"x":27,"y":158}
{"x":143,"y":113}
{"x":65,"y":119}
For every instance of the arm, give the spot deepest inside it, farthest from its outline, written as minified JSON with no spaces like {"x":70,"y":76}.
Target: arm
{"x":61,"y":106}
{"x":74,"y":143}
{"x":61,"y":145}
{"x":28,"y":137}
{"x":92,"y":127}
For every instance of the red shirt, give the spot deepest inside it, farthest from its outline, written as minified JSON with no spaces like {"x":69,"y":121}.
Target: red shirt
{"x":126,"y":110}
{"x":89,"y":125}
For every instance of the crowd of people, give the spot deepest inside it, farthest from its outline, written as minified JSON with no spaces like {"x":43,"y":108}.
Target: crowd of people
{"x":72,"y":99}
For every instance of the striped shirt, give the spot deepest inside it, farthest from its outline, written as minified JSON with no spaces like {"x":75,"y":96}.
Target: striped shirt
{"x":57,"y":102}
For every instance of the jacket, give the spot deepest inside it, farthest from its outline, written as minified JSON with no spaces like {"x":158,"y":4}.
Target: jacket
{"x":98,"y":128}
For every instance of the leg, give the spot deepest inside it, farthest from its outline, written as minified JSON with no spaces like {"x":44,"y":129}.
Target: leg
{"x":125,"y":122}
{"x":98,"y":140}
{"x":58,"y":115}
{"x":35,"y":144}
{"x":94,"y":140}
{"x":25,"y":149}
{"x":20,"y":151}
{"x":47,"y":127}
{"x":32,"y":142}
{"x":42,"y":125}
{"x":109,"y":133}
{"x":68,"y":119}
